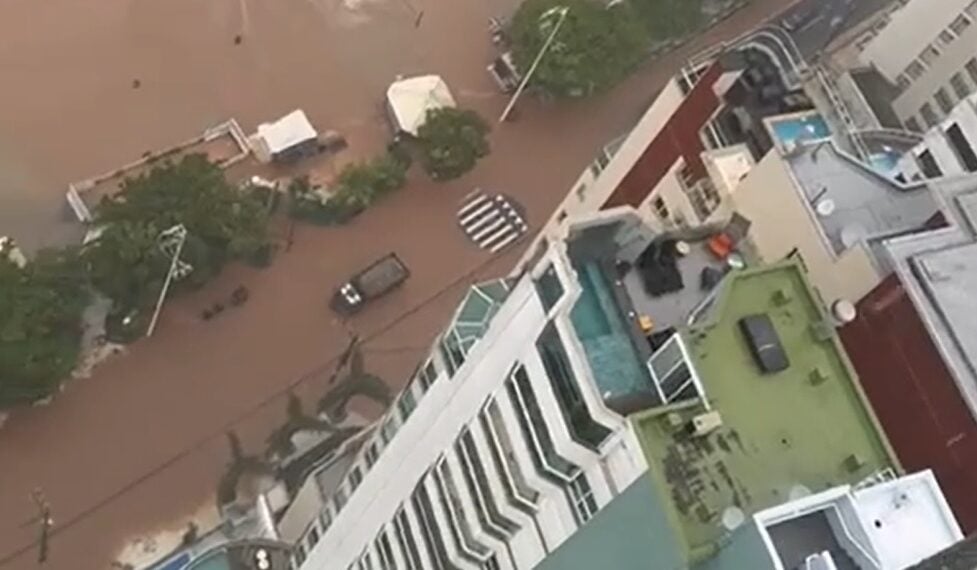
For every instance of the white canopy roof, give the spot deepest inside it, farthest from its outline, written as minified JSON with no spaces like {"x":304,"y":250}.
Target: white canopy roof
{"x":290,"y":130}
{"x":410,"y":99}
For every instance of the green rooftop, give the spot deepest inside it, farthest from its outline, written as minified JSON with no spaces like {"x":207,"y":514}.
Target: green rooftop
{"x":803,"y":429}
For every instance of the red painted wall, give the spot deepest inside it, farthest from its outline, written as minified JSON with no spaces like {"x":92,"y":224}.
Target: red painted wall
{"x":678,"y":138}
{"x":914,"y":396}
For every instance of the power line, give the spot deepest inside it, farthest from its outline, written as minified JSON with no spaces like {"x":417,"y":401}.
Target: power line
{"x":51,"y":532}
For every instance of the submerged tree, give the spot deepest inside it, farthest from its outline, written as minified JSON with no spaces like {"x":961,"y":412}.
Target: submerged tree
{"x":596,"y":46}
{"x":41,"y":307}
{"x":451,"y":141}
{"x":222,"y":223}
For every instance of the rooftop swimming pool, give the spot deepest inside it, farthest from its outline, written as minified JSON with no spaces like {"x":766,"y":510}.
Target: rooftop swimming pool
{"x":885,"y":163}
{"x":602,"y":330}
{"x":788,"y":130}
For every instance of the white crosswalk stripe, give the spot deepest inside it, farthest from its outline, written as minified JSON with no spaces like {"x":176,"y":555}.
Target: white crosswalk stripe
{"x":492,"y":222}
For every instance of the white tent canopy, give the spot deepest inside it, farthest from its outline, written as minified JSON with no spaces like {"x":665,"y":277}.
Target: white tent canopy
{"x":410,"y":99}
{"x":292,"y":129}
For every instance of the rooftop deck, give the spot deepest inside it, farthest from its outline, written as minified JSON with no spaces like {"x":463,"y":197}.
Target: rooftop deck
{"x":800,"y":430}
{"x":863,"y":204}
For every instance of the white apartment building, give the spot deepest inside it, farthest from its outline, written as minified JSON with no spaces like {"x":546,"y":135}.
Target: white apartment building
{"x":949,"y":148}
{"x":928,"y":51}
{"x":497,"y":451}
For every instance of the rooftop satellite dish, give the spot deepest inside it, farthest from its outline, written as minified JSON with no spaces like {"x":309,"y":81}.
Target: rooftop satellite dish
{"x":798,"y":492}
{"x":733,"y":517}
{"x":825,"y":207}
{"x":844,"y":311}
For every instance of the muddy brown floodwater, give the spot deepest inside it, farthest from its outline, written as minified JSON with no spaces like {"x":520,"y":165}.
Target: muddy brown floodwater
{"x":139,"y":446}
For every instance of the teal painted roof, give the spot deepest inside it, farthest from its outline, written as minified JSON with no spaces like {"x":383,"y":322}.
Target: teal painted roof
{"x":630,"y":533}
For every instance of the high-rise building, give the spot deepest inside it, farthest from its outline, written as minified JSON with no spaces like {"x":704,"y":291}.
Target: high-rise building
{"x":577,"y":413}
{"x":930,"y":57}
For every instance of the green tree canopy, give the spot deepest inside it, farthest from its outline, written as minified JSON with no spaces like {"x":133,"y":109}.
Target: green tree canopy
{"x":222,"y":223}
{"x":596,"y":46}
{"x":451,"y":142}
{"x":40,"y":324}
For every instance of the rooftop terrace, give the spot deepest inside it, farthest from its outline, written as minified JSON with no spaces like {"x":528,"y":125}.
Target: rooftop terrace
{"x":851,"y":201}
{"x":783,"y":435}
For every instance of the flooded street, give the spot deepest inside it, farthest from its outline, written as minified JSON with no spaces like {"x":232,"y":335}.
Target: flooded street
{"x":140,"y":445}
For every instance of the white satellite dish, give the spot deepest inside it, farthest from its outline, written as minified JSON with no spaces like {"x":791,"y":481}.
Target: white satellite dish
{"x":733,"y":517}
{"x":844,"y":311}
{"x":825,"y":207}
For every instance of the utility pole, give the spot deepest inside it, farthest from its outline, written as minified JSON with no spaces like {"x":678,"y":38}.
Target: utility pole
{"x":562,"y":11}
{"x":46,"y":522}
{"x":170,"y":243}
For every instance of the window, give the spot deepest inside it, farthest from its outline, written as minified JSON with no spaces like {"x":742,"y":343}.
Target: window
{"x":672,"y":372}
{"x":549,"y":288}
{"x":913,"y":125}
{"x":340,"y":499}
{"x":492,"y":563}
{"x":355,"y":478}
{"x":382,"y":544}
{"x":686,"y":176}
{"x":943,"y":100}
{"x":325,"y":518}
{"x":520,"y":493}
{"x":915,"y":70}
{"x":299,"y":554}
{"x":451,"y":505}
{"x":971,"y":68}
{"x":946,"y":38}
{"x":926,"y":111}
{"x":581,"y":192}
{"x":429,"y":528}
{"x":582,"y":498}
{"x":406,"y":403}
{"x":477,"y":482}
{"x":389,"y":430}
{"x":312,"y":537}
{"x":971,"y":9}
{"x":660,"y":208}
{"x":405,"y":539}
{"x":428,"y":375}
{"x":962,"y":148}
{"x":929,"y":55}
{"x":960,"y":24}
{"x":366,"y":562}
{"x":372,"y":454}
{"x":579,"y":422}
{"x":903,"y":82}
{"x":928,"y":165}
{"x":959,"y":85}
{"x":534,"y":430}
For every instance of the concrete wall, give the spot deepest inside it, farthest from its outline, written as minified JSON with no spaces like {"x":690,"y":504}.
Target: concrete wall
{"x":782,"y":221}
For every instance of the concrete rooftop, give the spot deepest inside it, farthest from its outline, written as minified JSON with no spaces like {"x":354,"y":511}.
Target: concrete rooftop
{"x":801,"y":430}
{"x":939,"y":270}
{"x":866,"y":204}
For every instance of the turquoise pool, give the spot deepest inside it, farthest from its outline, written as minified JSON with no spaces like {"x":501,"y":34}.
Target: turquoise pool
{"x":790,"y":130}
{"x":602,"y":330}
{"x":885,"y":163}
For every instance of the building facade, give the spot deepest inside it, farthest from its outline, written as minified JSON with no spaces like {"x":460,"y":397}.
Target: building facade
{"x":930,"y":56}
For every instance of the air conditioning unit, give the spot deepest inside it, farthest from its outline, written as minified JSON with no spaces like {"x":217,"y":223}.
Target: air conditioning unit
{"x":703,"y":424}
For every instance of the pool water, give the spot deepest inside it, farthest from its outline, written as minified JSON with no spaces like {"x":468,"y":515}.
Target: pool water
{"x":885,"y":163}
{"x":615,"y":365}
{"x":789,"y":131}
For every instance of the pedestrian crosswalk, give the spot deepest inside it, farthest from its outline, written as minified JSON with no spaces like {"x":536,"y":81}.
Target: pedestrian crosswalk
{"x":492,"y":222}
